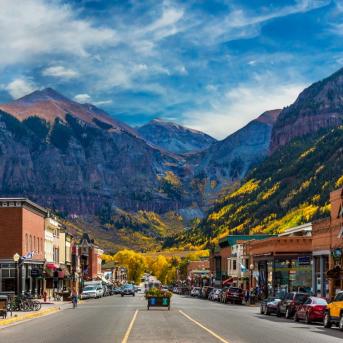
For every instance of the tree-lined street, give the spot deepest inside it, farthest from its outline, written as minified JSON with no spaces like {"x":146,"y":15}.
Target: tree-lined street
{"x":117,"y":319}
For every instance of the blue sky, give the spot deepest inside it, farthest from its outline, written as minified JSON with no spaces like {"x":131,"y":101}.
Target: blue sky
{"x":210,"y":65}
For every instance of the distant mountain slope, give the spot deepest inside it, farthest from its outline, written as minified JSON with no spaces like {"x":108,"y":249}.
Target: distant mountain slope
{"x":173,"y":137}
{"x":227,"y":161}
{"x":49,"y":105}
{"x":289,"y":188}
{"x":76,"y":159}
{"x":318,"y":106}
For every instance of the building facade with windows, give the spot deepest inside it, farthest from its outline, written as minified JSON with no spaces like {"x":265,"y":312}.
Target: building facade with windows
{"x":22,"y":234}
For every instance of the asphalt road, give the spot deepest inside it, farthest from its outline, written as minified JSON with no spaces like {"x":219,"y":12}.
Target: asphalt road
{"x":126,"y":320}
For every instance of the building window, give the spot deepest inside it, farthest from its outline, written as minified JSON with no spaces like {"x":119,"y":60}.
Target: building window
{"x":30,"y":243}
{"x":26,"y":242}
{"x":8,"y":278}
{"x":234,"y":265}
{"x":34,"y":243}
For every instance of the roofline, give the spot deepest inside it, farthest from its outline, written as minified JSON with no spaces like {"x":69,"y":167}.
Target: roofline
{"x":29,"y":202}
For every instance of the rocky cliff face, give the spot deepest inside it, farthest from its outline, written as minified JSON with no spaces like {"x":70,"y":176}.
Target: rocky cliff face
{"x":82,"y":163}
{"x":319,"y":106}
{"x":173,"y":137}
{"x":229,"y":160}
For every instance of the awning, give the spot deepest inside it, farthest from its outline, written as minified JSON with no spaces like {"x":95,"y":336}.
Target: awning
{"x":228,"y":282}
{"x":51,"y":266}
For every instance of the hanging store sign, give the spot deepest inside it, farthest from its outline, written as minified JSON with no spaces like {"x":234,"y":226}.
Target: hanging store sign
{"x":337,"y":254}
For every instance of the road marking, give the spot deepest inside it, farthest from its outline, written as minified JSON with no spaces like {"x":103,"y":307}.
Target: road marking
{"x":128,"y":331}
{"x":204,"y":327}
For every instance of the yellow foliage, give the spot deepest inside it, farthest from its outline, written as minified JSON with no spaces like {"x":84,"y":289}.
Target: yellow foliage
{"x":217,"y":215}
{"x":267,"y":194}
{"x":339,"y":182}
{"x":246,"y":188}
{"x":306,"y":153}
{"x":172,"y":179}
{"x":293,"y":218}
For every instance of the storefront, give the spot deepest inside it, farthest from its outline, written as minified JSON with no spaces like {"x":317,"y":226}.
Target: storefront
{"x":282,"y":264}
{"x":327,"y":246}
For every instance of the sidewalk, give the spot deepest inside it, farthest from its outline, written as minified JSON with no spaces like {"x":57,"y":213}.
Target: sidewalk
{"x":47,"y":308}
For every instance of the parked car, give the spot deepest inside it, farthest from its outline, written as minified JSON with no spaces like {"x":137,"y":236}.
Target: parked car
{"x":92,"y":291}
{"x":334,"y":312}
{"x":117,"y":290}
{"x":312,"y":310}
{"x":222,"y":297}
{"x":270,"y":305}
{"x":196,"y":292}
{"x":215,"y":294}
{"x":127,"y":290}
{"x":211,"y":294}
{"x":289,"y":305}
{"x":234,"y":295}
{"x":205,"y":291}
{"x":177,"y":290}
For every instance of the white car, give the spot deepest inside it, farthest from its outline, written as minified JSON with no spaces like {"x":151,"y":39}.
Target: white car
{"x":196,"y":292}
{"x":92,"y":291}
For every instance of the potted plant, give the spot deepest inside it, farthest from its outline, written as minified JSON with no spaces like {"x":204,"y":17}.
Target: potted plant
{"x":158,"y":298}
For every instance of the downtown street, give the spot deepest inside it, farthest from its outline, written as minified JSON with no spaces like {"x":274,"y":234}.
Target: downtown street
{"x":126,"y":319}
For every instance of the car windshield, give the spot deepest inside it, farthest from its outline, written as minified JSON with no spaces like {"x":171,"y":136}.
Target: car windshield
{"x":89,"y":288}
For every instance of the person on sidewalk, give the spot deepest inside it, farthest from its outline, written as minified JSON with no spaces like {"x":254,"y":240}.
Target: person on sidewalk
{"x":74,"y":297}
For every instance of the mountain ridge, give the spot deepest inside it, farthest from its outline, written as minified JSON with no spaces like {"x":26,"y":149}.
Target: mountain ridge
{"x":174,"y":137}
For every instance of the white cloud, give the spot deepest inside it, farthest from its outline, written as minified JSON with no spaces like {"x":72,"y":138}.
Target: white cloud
{"x":102,"y":102}
{"x":87,"y":99}
{"x":239,"y":24}
{"x":60,"y":72}
{"x":20,"y":87}
{"x":37,"y":27}
{"x":241,"y":105}
{"x":83,"y":98}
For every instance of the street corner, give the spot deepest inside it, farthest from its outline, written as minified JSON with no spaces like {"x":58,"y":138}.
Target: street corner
{"x":27,"y":316}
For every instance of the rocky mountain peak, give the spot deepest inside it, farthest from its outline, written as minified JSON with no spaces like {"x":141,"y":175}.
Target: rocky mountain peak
{"x":48,"y":104}
{"x":318,"y":106}
{"x":173,"y":137}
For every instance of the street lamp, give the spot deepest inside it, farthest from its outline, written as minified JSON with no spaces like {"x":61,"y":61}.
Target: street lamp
{"x":251,"y":267}
{"x":16,"y":259}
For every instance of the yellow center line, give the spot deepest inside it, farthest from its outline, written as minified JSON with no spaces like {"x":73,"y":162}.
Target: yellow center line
{"x":204,"y":327}
{"x":127,"y":334}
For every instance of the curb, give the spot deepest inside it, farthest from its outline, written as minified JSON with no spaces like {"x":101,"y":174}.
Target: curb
{"x":29,"y":316}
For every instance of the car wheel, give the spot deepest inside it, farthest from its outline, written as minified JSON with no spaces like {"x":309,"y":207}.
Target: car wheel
{"x":327,"y":320}
{"x":340,"y":325}
{"x":296,"y":319}
{"x":307,"y":319}
{"x":261,"y":310}
{"x":267,"y":312}
{"x":278,"y":312}
{"x":122,"y":295}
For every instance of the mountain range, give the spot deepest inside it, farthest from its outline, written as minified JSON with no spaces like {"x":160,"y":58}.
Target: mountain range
{"x":174,"y":137}
{"x":81,"y":162}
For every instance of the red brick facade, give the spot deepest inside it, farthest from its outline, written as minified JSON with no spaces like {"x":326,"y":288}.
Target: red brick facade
{"x":21,"y":231}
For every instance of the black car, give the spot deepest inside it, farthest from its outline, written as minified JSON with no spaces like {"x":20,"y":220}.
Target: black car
{"x":128,"y":290}
{"x":270,"y":305}
{"x":289,"y":305}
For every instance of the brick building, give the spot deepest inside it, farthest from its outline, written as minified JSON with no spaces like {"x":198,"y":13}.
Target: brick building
{"x":220,"y":254}
{"x":327,"y":246}
{"x":90,"y":258}
{"x":22,"y":234}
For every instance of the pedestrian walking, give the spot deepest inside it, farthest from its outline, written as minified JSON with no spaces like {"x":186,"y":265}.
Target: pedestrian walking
{"x":74,"y":297}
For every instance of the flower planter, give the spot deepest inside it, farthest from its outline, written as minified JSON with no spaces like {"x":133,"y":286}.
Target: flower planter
{"x":155,"y":301}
